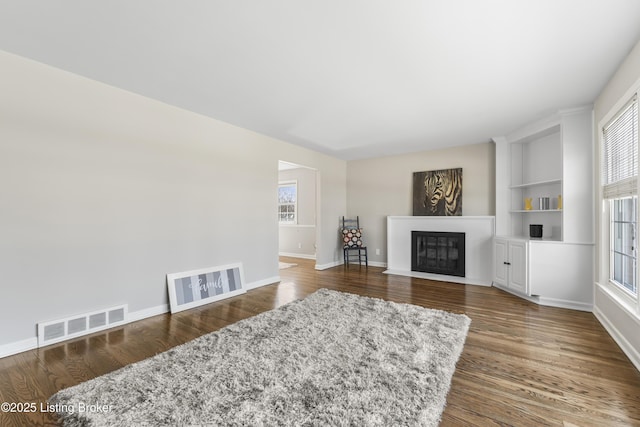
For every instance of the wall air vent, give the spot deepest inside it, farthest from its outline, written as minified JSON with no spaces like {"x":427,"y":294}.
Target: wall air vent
{"x":82,"y":324}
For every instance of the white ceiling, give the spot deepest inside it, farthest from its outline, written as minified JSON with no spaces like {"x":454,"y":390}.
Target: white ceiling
{"x":350,"y":78}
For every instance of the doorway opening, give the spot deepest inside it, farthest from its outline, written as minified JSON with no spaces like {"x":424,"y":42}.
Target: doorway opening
{"x":298,"y":207}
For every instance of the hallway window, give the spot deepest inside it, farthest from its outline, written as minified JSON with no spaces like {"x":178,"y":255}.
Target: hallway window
{"x":287,"y":202}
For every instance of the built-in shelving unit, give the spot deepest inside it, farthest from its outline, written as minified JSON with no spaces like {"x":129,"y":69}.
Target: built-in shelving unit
{"x":548,"y":158}
{"x":536,"y":172}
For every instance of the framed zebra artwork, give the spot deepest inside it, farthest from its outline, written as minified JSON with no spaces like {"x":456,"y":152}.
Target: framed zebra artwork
{"x":437,"y":193}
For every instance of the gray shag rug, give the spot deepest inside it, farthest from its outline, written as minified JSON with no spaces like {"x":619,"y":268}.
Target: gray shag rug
{"x":332,"y":358}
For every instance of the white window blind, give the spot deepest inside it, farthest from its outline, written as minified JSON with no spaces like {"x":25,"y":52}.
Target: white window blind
{"x":620,"y":156}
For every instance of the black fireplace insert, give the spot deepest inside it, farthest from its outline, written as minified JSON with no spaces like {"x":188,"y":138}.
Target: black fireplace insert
{"x":438,"y":252}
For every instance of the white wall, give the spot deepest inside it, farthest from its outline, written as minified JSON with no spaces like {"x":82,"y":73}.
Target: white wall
{"x":383,"y":186}
{"x":620,"y":319}
{"x":104,"y":192}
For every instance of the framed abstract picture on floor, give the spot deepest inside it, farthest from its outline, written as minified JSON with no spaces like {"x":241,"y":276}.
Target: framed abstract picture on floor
{"x":193,"y":288}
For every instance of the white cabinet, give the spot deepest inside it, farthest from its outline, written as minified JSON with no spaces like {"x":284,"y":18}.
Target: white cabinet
{"x":561,"y":274}
{"x":551,"y":158}
{"x":544,"y":271}
{"x":510,"y":257}
{"x":518,"y":266}
{"x":500,"y":259}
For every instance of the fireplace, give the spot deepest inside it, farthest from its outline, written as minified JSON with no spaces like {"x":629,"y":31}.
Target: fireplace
{"x":479,"y":232}
{"x":438,"y":252}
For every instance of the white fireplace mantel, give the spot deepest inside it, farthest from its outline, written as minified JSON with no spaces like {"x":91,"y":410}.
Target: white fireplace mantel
{"x":479,"y":232}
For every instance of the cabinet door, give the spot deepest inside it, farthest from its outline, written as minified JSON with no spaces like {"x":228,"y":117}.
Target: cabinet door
{"x":500,"y":259}
{"x":518,"y":268}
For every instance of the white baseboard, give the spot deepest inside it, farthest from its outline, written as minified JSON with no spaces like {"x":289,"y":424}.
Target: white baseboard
{"x":294,"y":255}
{"x":32,"y":343}
{"x":337,"y":263}
{"x":329,"y":265}
{"x":632,"y":351}
{"x":439,"y":277}
{"x":261,"y":283}
{"x":518,"y":294}
{"x":549,"y":302}
{"x":134,"y":316}
{"x":378,"y":264}
{"x":619,"y":338}
{"x":18,"y":347}
{"x":560,"y":303}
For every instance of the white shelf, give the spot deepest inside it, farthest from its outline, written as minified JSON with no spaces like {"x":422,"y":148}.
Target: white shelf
{"x":551,"y":239}
{"x":534,"y":184}
{"x":536,"y":211}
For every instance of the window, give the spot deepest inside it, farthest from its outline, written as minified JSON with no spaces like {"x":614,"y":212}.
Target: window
{"x":619,"y":177}
{"x":288,"y":202}
{"x":624,"y":218}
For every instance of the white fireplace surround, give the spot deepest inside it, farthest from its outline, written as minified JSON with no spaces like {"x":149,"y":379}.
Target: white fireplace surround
{"x":479,"y":232}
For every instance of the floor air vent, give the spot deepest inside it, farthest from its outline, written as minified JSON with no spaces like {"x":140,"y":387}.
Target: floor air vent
{"x":83,"y":324}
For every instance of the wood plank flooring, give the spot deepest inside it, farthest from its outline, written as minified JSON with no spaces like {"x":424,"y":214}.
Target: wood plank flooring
{"x":522,"y":364}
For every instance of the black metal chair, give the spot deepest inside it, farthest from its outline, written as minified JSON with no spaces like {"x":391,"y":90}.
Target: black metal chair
{"x":352,"y":245}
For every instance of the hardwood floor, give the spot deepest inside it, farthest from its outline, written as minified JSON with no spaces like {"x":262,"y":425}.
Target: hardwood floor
{"x":522,"y":364}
